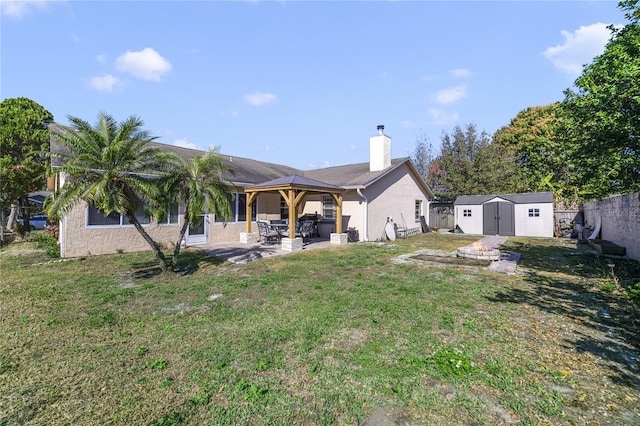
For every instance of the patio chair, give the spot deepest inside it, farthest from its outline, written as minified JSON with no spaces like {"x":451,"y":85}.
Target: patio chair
{"x":267,"y":234}
{"x":305,"y":231}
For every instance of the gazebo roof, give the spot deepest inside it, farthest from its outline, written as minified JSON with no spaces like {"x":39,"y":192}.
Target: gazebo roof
{"x":294,"y":182}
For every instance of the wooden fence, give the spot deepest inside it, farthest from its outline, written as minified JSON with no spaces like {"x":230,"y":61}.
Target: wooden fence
{"x":442,"y":217}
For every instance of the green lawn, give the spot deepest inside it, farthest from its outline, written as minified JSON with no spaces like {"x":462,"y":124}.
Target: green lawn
{"x":320,"y":337}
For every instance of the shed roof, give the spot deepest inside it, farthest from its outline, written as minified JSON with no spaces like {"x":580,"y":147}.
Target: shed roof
{"x":523,"y":198}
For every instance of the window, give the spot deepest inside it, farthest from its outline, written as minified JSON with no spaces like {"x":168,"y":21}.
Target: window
{"x":328,"y":207}
{"x":97,"y":218}
{"x":170,"y":217}
{"x":140,"y":214}
{"x":239,"y":209}
{"x":534,"y":212}
{"x":466,"y":212}
{"x":418,"y":209}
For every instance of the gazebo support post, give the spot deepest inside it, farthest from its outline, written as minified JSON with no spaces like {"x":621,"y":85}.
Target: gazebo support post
{"x":248,"y":236}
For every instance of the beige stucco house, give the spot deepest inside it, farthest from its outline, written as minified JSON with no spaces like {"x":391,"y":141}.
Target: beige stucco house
{"x":364,"y":195}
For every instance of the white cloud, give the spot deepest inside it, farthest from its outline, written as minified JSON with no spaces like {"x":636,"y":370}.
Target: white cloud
{"x":579,"y":48}
{"x":442,"y":118}
{"x":102,"y":58}
{"x":460,"y":72}
{"x":104,"y":83}
{"x":185,"y":144}
{"x":406,"y":124}
{"x":451,"y":95}
{"x":20,"y":9}
{"x":146,"y":64}
{"x":268,"y":148}
{"x":315,"y":166}
{"x":258,"y":99}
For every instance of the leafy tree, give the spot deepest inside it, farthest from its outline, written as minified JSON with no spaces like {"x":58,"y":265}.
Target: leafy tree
{"x":543,"y":153}
{"x":470,"y":164}
{"x":198,"y":185}
{"x":604,"y":112}
{"x":422,"y":157}
{"x":113,"y":167}
{"x":24,"y":141}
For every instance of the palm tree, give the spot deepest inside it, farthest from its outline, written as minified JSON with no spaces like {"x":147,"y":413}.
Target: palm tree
{"x":113,"y":167}
{"x":198,"y":186}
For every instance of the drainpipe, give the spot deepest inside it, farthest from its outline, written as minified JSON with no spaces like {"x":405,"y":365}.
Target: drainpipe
{"x":366,"y":214}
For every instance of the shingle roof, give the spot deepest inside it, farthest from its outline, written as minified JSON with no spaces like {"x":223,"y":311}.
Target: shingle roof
{"x":351,"y":175}
{"x":250,"y":172}
{"x":246,"y":171}
{"x":524,"y":198}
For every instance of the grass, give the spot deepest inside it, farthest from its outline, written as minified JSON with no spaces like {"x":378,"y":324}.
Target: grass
{"x":318,"y":337}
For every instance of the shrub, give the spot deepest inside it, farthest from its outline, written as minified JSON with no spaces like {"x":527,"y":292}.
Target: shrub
{"x":47,"y":242}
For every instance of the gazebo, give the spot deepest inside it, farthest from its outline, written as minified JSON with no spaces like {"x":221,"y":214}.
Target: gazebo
{"x":293,"y":189}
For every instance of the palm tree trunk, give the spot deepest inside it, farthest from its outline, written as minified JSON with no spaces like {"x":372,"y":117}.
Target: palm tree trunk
{"x":154,"y":246}
{"x":176,"y":250}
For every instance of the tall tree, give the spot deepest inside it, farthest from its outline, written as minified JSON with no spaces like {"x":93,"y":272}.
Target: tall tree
{"x":422,"y":157}
{"x":24,"y":142}
{"x":470,"y":164}
{"x":113,"y":167}
{"x":604,"y":110}
{"x":198,"y":186}
{"x":543,"y":152}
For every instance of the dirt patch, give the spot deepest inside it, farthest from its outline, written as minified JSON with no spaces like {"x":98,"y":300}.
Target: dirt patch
{"x":453,"y":261}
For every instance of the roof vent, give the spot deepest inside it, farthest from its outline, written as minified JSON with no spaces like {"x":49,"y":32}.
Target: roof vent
{"x":380,"y":128}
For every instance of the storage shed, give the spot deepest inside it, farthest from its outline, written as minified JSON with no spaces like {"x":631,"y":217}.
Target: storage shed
{"x":522,"y":215}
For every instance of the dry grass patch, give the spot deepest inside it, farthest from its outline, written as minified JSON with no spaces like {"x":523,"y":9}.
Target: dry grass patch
{"x":333,"y":336}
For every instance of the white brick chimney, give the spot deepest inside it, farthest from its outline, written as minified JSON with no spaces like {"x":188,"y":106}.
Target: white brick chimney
{"x":379,"y":151}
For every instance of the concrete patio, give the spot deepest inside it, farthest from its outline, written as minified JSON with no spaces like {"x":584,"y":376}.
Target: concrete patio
{"x":237,"y":252}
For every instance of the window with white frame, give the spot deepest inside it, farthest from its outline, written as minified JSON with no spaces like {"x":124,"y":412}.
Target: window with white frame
{"x":97,"y":218}
{"x":418,"y":209}
{"x":466,"y":212}
{"x":171,"y":216}
{"x":534,"y":212}
{"x":328,"y":207}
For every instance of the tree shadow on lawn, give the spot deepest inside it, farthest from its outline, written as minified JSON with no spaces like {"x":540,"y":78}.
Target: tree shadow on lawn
{"x":603,"y":324}
{"x":189,"y":263}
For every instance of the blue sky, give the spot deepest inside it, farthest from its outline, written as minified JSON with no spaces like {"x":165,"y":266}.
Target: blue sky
{"x":294,"y":82}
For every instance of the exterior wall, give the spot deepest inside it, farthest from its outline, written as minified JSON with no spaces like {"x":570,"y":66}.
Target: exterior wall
{"x":620,"y":216}
{"x":394,"y":197}
{"x":268,"y":207}
{"x":77,"y":239}
{"x":219,"y":233}
{"x":352,"y":212}
{"x":541,"y":226}
{"x":469,"y":225}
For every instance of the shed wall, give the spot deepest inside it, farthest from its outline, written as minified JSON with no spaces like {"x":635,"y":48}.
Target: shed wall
{"x":469,"y":224}
{"x":541,"y":226}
